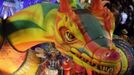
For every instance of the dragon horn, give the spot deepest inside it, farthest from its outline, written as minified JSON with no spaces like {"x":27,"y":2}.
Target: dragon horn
{"x":96,"y":5}
{"x":104,"y":15}
{"x":65,"y":6}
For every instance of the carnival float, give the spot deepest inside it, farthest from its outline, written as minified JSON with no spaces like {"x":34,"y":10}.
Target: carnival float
{"x":65,"y":37}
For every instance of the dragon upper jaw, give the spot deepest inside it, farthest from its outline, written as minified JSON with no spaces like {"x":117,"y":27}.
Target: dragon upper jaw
{"x":91,"y":63}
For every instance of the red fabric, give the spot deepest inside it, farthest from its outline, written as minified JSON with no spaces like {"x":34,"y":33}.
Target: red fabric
{"x":89,"y":72}
{"x":67,"y":67}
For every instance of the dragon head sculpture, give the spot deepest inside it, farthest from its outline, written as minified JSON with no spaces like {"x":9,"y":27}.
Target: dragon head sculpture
{"x":87,"y":37}
{"x":83,"y":34}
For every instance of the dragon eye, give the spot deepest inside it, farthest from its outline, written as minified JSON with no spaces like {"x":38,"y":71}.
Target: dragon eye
{"x":69,"y":36}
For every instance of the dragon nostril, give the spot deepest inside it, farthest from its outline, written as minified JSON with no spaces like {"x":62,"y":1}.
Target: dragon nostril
{"x":107,"y":54}
{"x":112,"y":56}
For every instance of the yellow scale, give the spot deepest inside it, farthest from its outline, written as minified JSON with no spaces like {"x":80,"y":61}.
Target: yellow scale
{"x":30,"y":66}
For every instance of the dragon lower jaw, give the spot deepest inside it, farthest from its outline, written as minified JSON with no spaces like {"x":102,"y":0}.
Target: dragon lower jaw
{"x":90,"y":63}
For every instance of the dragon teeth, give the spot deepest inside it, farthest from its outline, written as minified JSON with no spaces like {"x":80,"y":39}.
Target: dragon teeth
{"x":96,"y":66}
{"x":100,"y":67}
{"x":110,"y":70}
{"x":106,"y":69}
{"x":103,"y":68}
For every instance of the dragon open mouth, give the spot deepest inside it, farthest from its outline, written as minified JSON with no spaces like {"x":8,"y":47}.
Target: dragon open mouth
{"x":88,"y":62}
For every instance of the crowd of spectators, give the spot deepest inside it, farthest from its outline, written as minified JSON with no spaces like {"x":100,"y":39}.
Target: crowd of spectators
{"x":124,"y":16}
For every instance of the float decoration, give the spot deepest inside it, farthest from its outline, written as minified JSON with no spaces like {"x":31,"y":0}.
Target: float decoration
{"x":9,"y":7}
{"x":83,"y":38}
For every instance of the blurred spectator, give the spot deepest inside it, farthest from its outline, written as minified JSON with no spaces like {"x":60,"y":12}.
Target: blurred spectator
{"x":123,"y":11}
{"x":124,"y":34}
{"x":124,"y":15}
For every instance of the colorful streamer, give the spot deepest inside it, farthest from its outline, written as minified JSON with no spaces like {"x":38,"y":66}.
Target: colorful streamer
{"x":9,"y":7}
{"x":17,"y":5}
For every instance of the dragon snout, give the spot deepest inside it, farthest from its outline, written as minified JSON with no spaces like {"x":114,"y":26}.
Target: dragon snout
{"x":100,"y":59}
{"x":103,"y":54}
{"x":106,"y":55}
